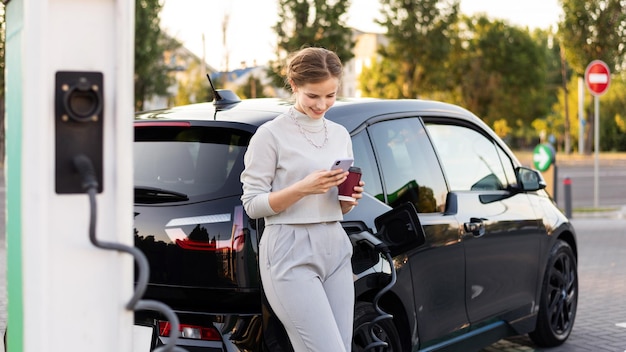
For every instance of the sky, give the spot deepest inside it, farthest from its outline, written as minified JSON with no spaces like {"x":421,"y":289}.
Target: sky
{"x":250,"y":38}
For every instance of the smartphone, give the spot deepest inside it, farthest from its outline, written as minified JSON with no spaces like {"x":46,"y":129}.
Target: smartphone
{"x":343,"y":164}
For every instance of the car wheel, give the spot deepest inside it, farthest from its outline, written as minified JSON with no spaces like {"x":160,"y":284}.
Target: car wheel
{"x":385,"y":330}
{"x":559,"y":298}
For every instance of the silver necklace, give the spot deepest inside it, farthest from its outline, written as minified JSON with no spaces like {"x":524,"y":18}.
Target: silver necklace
{"x":302,"y":132}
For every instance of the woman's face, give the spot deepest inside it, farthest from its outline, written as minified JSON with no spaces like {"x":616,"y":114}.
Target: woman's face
{"x":314,"y":99}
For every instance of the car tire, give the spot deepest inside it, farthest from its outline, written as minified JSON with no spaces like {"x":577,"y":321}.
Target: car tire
{"x":385,"y":329}
{"x":559,"y":298}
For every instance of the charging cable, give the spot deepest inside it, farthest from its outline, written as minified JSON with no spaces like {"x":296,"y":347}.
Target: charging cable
{"x":376,"y":244}
{"x":90,"y":184}
{"x":382,"y":315}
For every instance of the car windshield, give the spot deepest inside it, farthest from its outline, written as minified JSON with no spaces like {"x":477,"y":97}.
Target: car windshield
{"x":186,"y":161}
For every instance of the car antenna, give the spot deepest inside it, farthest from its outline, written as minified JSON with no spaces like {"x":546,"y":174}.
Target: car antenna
{"x":216,"y":95}
{"x":223,"y":99}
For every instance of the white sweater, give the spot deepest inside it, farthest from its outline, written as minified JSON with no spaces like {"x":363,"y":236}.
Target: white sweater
{"x":279,"y":155}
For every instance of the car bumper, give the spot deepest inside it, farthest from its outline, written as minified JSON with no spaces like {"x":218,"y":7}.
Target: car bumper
{"x":234,"y":333}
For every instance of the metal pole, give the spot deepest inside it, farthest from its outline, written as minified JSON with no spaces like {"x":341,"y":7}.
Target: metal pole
{"x":596,"y":165}
{"x":567,"y":193}
{"x":581,"y":116}
{"x":555,"y":180}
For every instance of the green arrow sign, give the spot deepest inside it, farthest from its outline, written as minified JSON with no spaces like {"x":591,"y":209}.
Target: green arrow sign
{"x":543,"y":156}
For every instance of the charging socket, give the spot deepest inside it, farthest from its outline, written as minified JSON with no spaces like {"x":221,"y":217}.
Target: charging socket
{"x":78,"y":114}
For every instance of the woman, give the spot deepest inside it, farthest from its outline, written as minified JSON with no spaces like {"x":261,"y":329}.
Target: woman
{"x":304,"y":253}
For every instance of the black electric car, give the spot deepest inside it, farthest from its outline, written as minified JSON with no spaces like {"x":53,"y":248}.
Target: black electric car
{"x":478,"y":250}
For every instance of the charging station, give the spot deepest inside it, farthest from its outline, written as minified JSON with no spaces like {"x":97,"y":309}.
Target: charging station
{"x":69,"y":95}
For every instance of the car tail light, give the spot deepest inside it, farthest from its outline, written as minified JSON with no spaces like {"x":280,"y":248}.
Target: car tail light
{"x":187,"y":331}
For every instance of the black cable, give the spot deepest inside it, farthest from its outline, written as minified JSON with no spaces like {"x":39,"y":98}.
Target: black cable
{"x":90,"y":185}
{"x":382,"y":314}
{"x":142,"y":262}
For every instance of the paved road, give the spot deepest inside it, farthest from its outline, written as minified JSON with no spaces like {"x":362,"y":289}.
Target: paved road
{"x":581,"y":172}
{"x":611,"y":182}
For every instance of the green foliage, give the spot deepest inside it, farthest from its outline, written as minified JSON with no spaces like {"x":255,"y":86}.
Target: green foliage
{"x":554,"y":122}
{"x":420,"y":40}
{"x":380,"y":80}
{"x":612,"y":121}
{"x":151,"y":73}
{"x":502,"y":72}
{"x":508,"y":76}
{"x":252,"y":89}
{"x":304,"y":23}
{"x":593,"y":30}
{"x":612,"y":118}
{"x":557,"y":71}
{"x":194,"y":89}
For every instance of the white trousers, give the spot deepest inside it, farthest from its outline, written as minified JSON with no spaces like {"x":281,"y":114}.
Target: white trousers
{"x":307,"y":277}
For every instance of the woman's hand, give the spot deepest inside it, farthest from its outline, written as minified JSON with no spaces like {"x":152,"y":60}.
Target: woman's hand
{"x":322,"y":181}
{"x":347,"y":205}
{"x":317,"y":182}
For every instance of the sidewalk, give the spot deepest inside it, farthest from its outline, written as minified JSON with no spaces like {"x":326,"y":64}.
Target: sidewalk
{"x":619,"y":213}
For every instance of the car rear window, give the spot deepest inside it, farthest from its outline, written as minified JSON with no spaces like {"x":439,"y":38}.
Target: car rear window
{"x":189,"y":160}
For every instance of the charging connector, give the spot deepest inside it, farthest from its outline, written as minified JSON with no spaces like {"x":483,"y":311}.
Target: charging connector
{"x":372,"y":241}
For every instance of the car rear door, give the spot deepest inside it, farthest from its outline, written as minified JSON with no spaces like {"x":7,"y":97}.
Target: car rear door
{"x":500,"y":231}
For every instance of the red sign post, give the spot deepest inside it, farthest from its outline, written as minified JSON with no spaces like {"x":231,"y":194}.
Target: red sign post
{"x":597,"y":78}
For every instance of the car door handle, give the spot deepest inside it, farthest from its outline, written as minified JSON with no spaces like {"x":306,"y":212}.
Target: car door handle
{"x":475,"y":226}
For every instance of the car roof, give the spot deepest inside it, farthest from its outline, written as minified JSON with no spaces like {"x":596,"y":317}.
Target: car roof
{"x":349,"y":112}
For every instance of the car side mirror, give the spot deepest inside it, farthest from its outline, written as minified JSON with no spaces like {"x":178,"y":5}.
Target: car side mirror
{"x":400,"y":229}
{"x":529,"y":180}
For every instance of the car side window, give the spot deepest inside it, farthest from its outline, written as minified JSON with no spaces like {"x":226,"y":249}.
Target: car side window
{"x":408,"y":165}
{"x":364,"y":158}
{"x":470,"y":159}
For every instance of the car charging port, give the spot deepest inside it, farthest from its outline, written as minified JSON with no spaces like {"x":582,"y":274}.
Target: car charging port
{"x":79,"y":110}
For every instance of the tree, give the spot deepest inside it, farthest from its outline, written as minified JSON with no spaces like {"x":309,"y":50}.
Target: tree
{"x":151,"y":72}
{"x":194,"y":87}
{"x":501,"y":70}
{"x":420,"y":40}
{"x":554,"y":123}
{"x":557,"y":88}
{"x":613,"y":116}
{"x":317,"y":23}
{"x":253,"y":88}
{"x":593,"y":30}
{"x":558,"y":73}
{"x":379,"y":80}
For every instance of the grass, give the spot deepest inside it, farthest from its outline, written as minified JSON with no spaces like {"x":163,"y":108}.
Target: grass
{"x":593,"y":210}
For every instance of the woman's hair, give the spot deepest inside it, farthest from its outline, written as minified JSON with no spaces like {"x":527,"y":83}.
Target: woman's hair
{"x":312,"y":65}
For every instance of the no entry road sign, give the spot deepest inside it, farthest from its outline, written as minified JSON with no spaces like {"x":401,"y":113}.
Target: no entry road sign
{"x":597,"y":77}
